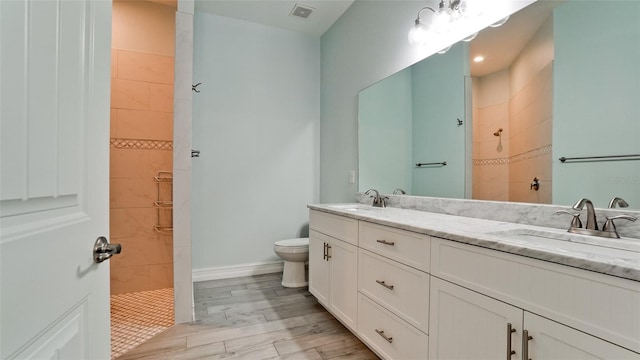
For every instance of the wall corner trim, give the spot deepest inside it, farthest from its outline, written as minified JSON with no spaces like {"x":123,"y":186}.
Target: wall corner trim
{"x":232,"y":271}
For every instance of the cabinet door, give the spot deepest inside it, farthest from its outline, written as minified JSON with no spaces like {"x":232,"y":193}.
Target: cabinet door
{"x":318,"y":267}
{"x":552,"y":340}
{"x":467,"y":325}
{"x":343,"y":262}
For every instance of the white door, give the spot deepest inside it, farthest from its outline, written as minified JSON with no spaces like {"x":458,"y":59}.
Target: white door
{"x":54,"y":190}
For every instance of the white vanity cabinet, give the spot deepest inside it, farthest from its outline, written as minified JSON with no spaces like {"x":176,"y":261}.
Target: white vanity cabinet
{"x":468,"y":325}
{"x":412,"y":296}
{"x":333,"y":265}
{"x":568,"y":313}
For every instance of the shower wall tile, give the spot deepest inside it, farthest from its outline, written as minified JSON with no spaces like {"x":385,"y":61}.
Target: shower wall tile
{"x":132,"y":193}
{"x":132,"y":222}
{"x":128,"y":94}
{"x":129,"y":279}
{"x":127,"y":164}
{"x":114,"y":63}
{"x":136,"y":251}
{"x":145,"y":67}
{"x":113,"y":123}
{"x":161,"y":276}
{"x":161,"y":97}
{"x":160,"y":161}
{"x":141,"y":124}
{"x":142,"y":109}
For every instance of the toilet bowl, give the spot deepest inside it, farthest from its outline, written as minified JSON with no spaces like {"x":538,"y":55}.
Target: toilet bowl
{"x":294,"y":252}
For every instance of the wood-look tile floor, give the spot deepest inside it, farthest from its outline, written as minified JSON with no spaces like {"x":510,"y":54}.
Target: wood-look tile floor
{"x":254,"y":318}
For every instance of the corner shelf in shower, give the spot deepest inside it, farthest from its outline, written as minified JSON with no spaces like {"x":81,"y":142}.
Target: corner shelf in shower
{"x":164,"y":202}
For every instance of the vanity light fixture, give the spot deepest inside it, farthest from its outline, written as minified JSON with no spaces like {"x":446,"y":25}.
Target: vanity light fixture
{"x":448,"y":11}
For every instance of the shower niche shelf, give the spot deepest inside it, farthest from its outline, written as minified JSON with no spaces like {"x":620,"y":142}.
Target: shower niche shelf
{"x":164,"y":202}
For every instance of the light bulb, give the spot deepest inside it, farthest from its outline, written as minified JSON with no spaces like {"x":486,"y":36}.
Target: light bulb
{"x":499,"y":22}
{"x":441,"y":21}
{"x":471,"y":8}
{"x":470,"y":37}
{"x":444,"y":51}
{"x":419,"y":34}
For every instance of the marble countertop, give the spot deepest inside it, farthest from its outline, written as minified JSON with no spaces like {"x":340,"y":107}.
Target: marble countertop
{"x":616,"y":257}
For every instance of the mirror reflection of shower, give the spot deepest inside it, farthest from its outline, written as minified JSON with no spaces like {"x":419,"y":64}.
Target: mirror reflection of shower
{"x":499,"y":135}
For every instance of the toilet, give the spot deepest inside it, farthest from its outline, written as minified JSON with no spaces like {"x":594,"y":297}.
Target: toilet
{"x":294,"y":252}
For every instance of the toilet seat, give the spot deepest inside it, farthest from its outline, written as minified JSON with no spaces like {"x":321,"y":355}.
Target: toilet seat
{"x":293,"y":242}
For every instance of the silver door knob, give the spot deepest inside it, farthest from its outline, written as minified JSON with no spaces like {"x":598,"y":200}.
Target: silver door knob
{"x":102,"y":250}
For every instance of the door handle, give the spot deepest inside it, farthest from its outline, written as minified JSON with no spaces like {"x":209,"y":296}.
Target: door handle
{"x":102,"y":250}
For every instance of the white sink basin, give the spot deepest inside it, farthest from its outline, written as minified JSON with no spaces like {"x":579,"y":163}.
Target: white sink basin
{"x":565,"y":241}
{"x":354,"y":207}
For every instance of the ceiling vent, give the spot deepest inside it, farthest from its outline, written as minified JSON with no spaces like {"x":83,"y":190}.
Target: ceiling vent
{"x":302,"y":11}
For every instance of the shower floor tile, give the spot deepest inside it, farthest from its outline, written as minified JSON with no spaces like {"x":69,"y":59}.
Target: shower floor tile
{"x":137,"y":317}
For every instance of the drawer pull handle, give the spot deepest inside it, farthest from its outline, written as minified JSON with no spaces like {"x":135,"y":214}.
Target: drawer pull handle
{"x":510,"y":330}
{"x":324,"y":249}
{"x":328,"y":248}
{"x":390,"y":287}
{"x":381,"y":333}
{"x":390,"y":243}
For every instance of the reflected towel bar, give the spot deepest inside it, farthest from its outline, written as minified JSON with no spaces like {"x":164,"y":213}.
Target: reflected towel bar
{"x":601,"y":158}
{"x":444,"y":163}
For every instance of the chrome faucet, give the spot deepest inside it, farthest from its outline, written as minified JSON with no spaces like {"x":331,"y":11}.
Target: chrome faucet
{"x":591,"y":213}
{"x":608,"y":230}
{"x":377,"y":200}
{"x":402,"y":192}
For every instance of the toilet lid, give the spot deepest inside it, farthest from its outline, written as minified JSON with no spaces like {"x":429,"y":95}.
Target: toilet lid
{"x":293,"y":242}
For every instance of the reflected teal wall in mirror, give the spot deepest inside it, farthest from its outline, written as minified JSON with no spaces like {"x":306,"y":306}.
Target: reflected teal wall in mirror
{"x":384,"y":127}
{"x":438,"y":103}
{"x":411,"y":117}
{"x":597,"y":100}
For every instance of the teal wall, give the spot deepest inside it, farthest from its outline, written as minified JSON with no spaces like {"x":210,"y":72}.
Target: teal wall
{"x":384,"y":133}
{"x":256,"y":121}
{"x":596,"y":100}
{"x":438,"y":101}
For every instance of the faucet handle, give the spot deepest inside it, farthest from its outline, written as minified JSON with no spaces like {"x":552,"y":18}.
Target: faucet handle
{"x":611,"y":227}
{"x":383,"y":201}
{"x":617,"y":201}
{"x":575,"y":222}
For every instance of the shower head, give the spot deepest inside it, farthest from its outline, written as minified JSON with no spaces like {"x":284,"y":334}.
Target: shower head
{"x":498,"y":133}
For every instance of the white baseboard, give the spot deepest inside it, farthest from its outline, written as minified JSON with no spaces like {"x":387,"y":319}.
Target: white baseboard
{"x":226,"y":272}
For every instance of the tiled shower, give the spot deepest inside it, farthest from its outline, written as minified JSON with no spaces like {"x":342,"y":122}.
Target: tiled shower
{"x":512,"y":124}
{"x":141,"y":153}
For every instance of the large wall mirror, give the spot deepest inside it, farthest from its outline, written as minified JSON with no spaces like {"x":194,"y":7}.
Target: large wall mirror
{"x":559,"y":80}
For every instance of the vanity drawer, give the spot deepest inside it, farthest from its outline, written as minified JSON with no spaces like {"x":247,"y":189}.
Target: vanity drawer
{"x":375,"y":323}
{"x":401,"y":289}
{"x":407,"y":247}
{"x":339,"y":227}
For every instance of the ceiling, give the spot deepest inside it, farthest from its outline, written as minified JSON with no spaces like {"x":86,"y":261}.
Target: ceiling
{"x":276,"y":12}
{"x":501,"y":45}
